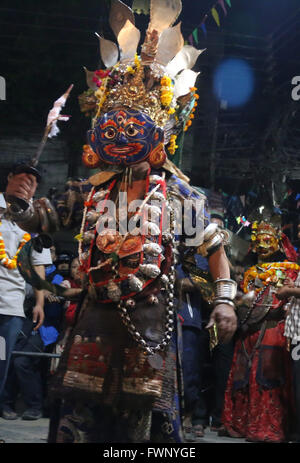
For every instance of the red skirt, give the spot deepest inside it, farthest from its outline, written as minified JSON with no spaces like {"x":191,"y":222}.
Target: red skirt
{"x":259,"y":398}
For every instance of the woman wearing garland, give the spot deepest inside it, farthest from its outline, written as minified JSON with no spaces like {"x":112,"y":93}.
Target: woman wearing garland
{"x":258,"y":400}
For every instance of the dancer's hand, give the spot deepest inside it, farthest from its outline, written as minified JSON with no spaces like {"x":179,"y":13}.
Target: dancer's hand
{"x":22,"y":186}
{"x":38,"y":317}
{"x":225,"y":318}
{"x":284,"y":292}
{"x":289,"y":282}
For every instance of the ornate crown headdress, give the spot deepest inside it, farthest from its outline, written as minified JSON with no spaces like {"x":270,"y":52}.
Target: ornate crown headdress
{"x":160,"y":82}
{"x":265,"y":221}
{"x":265,"y":228}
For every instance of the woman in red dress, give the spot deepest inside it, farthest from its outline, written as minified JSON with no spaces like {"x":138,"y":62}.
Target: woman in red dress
{"x":258,"y":400}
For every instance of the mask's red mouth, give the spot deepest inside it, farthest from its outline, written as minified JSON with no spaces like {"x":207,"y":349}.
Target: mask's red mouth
{"x":123,"y":151}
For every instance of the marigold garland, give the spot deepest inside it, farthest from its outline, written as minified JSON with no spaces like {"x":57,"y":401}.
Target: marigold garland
{"x":269,"y":274}
{"x":192,"y":115}
{"x":137,"y":65}
{"x":11,"y":264}
{"x":101,"y":94}
{"x":172,"y":147}
{"x":166,"y":92}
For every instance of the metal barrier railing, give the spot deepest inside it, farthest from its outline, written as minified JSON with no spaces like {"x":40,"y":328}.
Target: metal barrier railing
{"x":36,"y":354}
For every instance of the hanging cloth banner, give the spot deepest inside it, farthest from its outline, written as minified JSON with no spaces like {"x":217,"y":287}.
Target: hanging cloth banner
{"x":228,"y":3}
{"x":203,"y":27}
{"x":195,"y":35}
{"x":221,"y":2}
{"x":215,"y":16}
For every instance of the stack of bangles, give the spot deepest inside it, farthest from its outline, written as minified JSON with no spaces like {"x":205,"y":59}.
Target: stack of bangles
{"x":225,"y":292}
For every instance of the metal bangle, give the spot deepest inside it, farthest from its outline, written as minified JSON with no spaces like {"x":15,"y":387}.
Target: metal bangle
{"x":223,"y":301}
{"x":18,"y":214}
{"x":225,"y":288}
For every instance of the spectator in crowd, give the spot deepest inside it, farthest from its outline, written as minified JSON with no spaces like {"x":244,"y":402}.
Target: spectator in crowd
{"x":54,"y":306}
{"x":206,"y":362}
{"x":57,"y":273}
{"x":63,"y":263}
{"x":24,"y":373}
{"x":74,"y":281}
{"x":12,"y":285}
{"x":29,"y":374}
{"x":193,"y":343}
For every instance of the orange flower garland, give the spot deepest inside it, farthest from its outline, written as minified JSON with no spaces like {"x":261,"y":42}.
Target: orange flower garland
{"x":269,"y":274}
{"x":11,"y":264}
{"x":192,"y":115}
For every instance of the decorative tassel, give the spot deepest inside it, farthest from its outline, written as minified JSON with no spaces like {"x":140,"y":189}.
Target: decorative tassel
{"x":134,"y":283}
{"x":152,"y":249}
{"x":87,"y":237}
{"x":92,"y":217}
{"x":154,"y":211}
{"x":159,"y":196}
{"x":151,"y":228}
{"x":155,"y":178}
{"x":99,"y":195}
{"x":150,"y":270}
{"x":114,"y":292}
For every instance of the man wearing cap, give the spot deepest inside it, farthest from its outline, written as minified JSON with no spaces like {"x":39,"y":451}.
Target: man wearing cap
{"x":12,"y":285}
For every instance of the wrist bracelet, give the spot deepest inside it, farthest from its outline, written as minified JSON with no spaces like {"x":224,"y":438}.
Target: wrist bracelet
{"x":225,"y":288}
{"x":223,"y":301}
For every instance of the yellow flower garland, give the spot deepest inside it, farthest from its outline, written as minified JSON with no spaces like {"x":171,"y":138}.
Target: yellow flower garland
{"x":192,"y":115}
{"x":11,"y":264}
{"x":137,"y":65}
{"x":267,"y":276}
{"x":172,"y":147}
{"x":166,"y":92}
{"x":101,"y":94}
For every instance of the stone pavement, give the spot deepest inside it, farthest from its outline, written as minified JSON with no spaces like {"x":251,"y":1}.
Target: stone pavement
{"x":213,"y":438}
{"x":20,"y":431}
{"x":35,"y":432}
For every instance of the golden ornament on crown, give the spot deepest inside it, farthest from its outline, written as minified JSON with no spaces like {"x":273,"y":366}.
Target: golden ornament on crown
{"x":160,"y":82}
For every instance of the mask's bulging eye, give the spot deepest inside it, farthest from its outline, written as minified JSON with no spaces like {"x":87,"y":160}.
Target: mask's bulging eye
{"x":131,"y":131}
{"x":110,"y":133}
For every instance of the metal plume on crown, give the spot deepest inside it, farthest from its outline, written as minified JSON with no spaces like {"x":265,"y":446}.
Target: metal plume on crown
{"x":160,"y":82}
